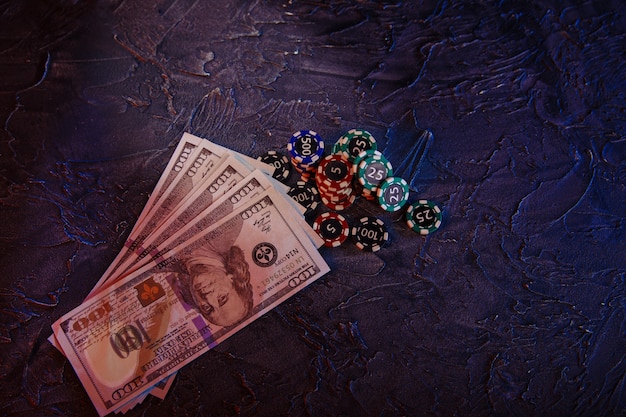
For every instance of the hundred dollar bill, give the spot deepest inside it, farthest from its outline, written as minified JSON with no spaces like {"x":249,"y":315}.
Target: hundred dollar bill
{"x":255,"y":183}
{"x":205,"y":161}
{"x":228,"y":173}
{"x":171,"y":189}
{"x":154,"y":321}
{"x":201,"y":162}
{"x":199,"y":157}
{"x":188,"y":226}
{"x":180,"y":160}
{"x":176,"y":166}
{"x":198,"y":217}
{"x":185,"y":228}
{"x":254,"y":163}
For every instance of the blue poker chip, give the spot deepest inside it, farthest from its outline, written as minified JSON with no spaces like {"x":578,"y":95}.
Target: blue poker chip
{"x":305,"y":147}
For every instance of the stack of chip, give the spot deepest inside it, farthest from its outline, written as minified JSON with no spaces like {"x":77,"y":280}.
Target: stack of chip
{"x":282,"y":168}
{"x":332,"y":227}
{"x":334,"y":180}
{"x":355,"y":167}
{"x":353,"y":142}
{"x":306,"y":195}
{"x":305,"y":148}
{"x":370,"y":169}
{"x":423,"y":216}
{"x":370,"y":234}
{"x":360,"y":190}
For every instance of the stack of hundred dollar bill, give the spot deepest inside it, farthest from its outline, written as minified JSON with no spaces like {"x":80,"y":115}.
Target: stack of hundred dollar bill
{"x":218,"y":244}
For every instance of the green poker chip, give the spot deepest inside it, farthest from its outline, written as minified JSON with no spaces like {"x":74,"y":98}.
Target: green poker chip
{"x":337,"y":147}
{"x":361,"y":156}
{"x":356,"y":141}
{"x":393,"y":193}
{"x":423,"y":217}
{"x":373,"y":170}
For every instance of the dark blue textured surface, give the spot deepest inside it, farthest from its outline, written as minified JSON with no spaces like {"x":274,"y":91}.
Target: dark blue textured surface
{"x":511,"y":115}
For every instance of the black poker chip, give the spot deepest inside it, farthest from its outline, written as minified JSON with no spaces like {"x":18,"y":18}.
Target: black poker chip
{"x":370,"y":234}
{"x":282,"y":167}
{"x":305,"y":194}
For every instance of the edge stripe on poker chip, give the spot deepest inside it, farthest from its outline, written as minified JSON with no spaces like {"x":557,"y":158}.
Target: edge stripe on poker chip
{"x":338,"y":205}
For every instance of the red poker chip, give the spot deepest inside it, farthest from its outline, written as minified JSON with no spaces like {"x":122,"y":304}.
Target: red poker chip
{"x":333,"y":228}
{"x":336,"y":195}
{"x":334,"y":171}
{"x":362,"y":191}
{"x":336,"y":198}
{"x":343,"y":191}
{"x":338,"y":206}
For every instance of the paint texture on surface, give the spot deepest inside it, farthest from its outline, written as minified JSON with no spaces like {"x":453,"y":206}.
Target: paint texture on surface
{"x":509,"y":115}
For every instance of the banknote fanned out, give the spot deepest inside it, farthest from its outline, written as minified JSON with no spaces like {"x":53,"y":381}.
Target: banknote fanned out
{"x":209,"y":263}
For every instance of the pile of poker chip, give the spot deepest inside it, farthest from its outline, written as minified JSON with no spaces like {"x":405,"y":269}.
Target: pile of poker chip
{"x":334,"y":182}
{"x":305,"y":148}
{"x":355,"y":167}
